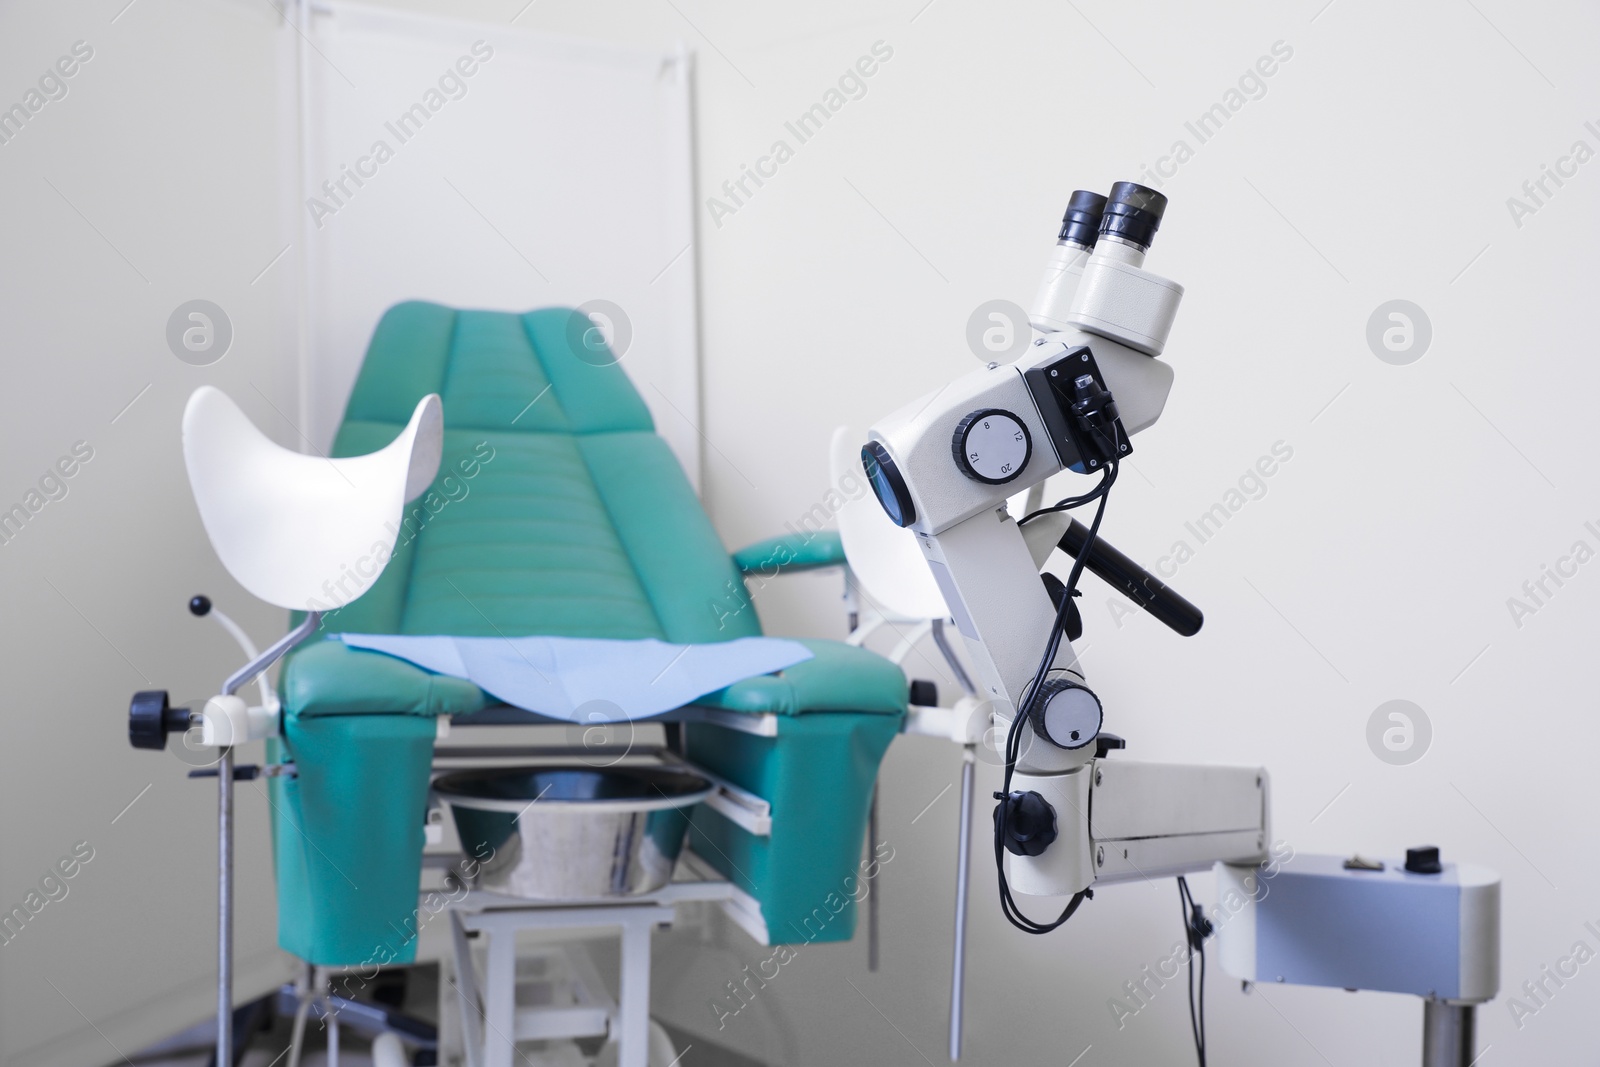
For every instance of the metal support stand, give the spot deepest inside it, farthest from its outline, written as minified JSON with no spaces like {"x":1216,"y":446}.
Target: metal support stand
{"x":225,"y":909}
{"x":493,"y":1031}
{"x":493,"y":1020}
{"x":1448,"y":1037}
{"x":236,"y":681}
{"x":958,"y":968}
{"x":872,"y":886}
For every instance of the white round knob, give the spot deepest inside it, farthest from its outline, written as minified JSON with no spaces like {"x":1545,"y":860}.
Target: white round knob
{"x":1070,"y":715}
{"x":992,"y":446}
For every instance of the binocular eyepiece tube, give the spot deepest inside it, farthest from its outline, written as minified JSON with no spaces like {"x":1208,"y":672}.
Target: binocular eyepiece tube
{"x":1095,"y":228}
{"x":1131,"y":214}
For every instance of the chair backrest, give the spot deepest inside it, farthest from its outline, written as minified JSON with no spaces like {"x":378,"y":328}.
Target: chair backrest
{"x":558,"y":510}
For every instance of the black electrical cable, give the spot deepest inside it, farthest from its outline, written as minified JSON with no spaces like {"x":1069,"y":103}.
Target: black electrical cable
{"x":1196,"y":928}
{"x":1068,"y":504}
{"x":1008,"y":904}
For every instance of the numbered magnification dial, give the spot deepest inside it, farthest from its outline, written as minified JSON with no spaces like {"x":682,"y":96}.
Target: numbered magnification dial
{"x":992,"y":446}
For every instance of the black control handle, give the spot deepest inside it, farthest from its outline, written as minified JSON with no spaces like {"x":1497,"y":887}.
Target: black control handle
{"x":1133,"y":581}
{"x":151,"y":717}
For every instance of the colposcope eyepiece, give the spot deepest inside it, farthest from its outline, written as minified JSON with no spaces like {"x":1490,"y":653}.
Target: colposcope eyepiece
{"x":1133,"y":213}
{"x":1081,"y":223}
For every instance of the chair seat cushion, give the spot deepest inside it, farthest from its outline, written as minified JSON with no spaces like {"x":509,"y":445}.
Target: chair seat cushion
{"x":838,"y":677}
{"x":330,"y":678}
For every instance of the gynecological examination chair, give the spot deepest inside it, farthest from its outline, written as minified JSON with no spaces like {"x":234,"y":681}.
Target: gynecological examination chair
{"x":558,"y":511}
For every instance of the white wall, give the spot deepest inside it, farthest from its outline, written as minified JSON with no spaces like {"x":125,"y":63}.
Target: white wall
{"x":149,"y":184}
{"x":1377,"y":566}
{"x":560,"y":174}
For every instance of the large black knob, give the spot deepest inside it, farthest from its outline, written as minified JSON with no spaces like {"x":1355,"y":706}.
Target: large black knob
{"x":151,"y":717}
{"x":1025,"y":822}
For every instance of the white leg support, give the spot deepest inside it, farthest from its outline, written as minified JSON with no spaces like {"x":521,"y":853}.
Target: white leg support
{"x":465,"y":993}
{"x":493,"y":1043}
{"x":633,"y":1000}
{"x":500,"y":1011}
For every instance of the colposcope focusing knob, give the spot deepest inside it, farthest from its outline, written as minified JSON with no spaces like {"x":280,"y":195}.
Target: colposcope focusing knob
{"x":1068,"y":714}
{"x":151,"y":717}
{"x":991,"y":445}
{"x":1026,"y":822}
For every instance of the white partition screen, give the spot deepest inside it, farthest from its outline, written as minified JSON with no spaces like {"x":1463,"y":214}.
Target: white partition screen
{"x":486,"y":167}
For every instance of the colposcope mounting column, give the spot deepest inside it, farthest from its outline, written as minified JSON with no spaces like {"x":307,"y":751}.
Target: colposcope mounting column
{"x":1448,"y":1034}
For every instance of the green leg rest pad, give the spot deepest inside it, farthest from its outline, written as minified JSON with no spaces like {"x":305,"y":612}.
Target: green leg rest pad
{"x":818,"y":775}
{"x":347,"y":829}
{"x":347,"y":837}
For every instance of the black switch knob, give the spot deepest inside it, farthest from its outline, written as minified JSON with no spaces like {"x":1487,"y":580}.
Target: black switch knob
{"x":1424,"y":859}
{"x":1027,"y":822}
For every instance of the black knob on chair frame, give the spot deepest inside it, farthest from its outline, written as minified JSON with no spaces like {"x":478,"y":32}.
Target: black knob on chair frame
{"x":151,"y":717}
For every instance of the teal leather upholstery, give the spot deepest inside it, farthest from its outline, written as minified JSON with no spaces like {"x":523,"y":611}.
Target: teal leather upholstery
{"x":791,"y":552}
{"x":558,"y":511}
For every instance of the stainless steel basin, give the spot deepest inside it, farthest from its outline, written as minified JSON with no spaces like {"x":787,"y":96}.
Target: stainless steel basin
{"x":570,"y":832}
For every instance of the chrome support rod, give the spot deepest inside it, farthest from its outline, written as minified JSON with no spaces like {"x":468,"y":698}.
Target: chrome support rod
{"x":958,"y":970}
{"x":942,"y":641}
{"x":225,"y":909}
{"x":241,"y":677}
{"x":237,"y":680}
{"x":872,"y":886}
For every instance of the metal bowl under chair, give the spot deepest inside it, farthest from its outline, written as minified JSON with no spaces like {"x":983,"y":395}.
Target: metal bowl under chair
{"x":570,"y":832}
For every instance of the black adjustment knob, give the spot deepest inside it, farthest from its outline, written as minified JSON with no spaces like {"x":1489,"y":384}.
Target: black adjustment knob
{"x":1025,"y":822}
{"x":924,"y":693}
{"x":200,"y":605}
{"x":1424,"y":859}
{"x":992,"y":446}
{"x":1067,"y":714}
{"x":151,"y":717}
{"x":1107,"y":743}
